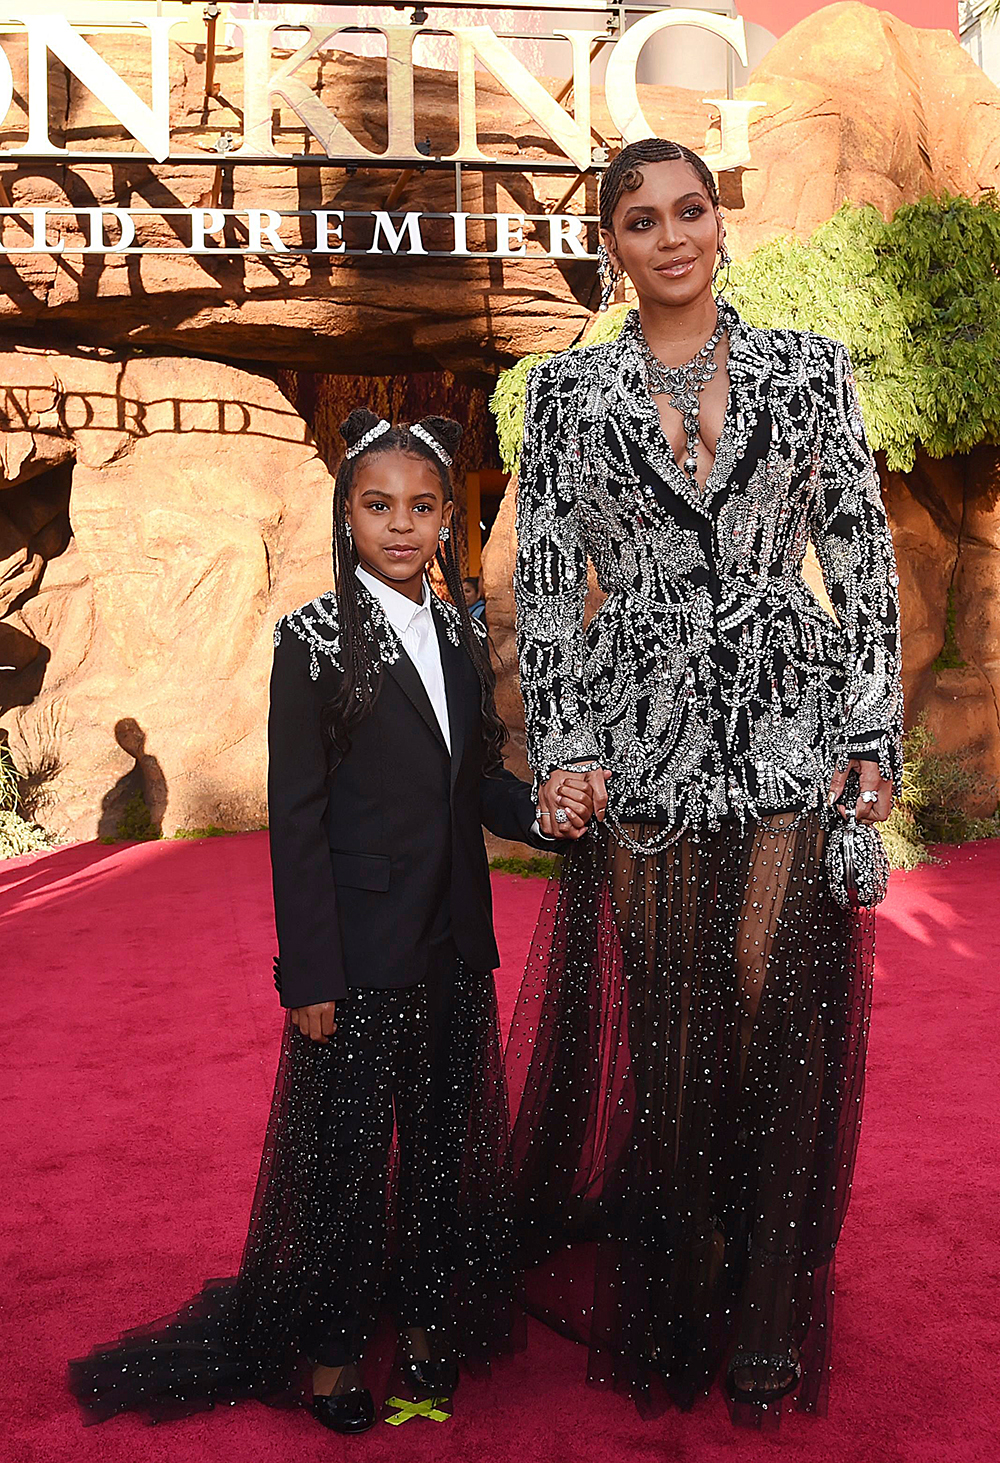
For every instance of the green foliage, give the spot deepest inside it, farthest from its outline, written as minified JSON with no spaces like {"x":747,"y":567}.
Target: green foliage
{"x":17,"y":836}
{"x":541,"y":866}
{"x":928,"y":809}
{"x":135,"y":822}
{"x":507,"y":406}
{"x":901,"y":838}
{"x":9,"y":790}
{"x":210,"y":832}
{"x":916,"y":300}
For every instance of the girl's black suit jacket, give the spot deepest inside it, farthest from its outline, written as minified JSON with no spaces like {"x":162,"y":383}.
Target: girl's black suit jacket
{"x":378,"y":855}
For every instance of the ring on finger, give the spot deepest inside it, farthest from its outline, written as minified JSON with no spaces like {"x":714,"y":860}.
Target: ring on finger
{"x":561,"y":815}
{"x":869,"y":796}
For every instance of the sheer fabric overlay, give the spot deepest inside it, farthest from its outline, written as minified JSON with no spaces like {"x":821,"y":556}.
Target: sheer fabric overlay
{"x":686,"y":1064}
{"x":381,"y":1199}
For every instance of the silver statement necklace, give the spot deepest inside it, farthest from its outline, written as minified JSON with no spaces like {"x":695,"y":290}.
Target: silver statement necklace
{"x":682,"y":386}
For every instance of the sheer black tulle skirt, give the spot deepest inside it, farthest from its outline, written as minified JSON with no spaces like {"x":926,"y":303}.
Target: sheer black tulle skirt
{"x":686,"y":1066}
{"x":380,"y":1204}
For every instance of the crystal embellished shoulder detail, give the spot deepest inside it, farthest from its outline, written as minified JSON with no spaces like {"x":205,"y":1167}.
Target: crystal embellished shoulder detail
{"x":317,"y":625}
{"x":452,"y":621}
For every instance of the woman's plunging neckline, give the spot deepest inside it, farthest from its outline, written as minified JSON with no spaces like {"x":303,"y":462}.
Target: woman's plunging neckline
{"x":697,"y":490}
{"x":701,"y":491}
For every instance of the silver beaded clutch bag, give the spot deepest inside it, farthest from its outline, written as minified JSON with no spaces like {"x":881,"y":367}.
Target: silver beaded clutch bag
{"x":857,"y":868}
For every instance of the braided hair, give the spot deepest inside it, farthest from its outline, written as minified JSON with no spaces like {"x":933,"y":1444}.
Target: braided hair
{"x":359,"y":686}
{"x":624,"y":173}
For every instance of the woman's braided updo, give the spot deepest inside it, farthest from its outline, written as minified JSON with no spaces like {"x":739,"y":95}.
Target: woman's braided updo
{"x":359,"y":686}
{"x":624,"y":172}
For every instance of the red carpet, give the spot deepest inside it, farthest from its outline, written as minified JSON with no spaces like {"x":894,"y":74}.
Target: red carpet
{"x":140,"y":1049}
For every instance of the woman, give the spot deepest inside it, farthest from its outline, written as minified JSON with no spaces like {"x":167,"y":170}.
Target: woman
{"x":381,"y":1191}
{"x":690,"y":1039}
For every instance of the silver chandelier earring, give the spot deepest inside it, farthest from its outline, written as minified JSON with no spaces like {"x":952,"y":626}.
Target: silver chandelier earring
{"x":720,"y":275}
{"x":607,"y":275}
{"x":445,"y":534}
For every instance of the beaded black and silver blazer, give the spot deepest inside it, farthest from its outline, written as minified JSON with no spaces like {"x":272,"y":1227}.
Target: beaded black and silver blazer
{"x":711,"y":682}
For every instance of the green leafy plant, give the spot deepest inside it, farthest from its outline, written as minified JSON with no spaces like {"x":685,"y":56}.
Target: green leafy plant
{"x":135,"y":822}
{"x":9,"y":795}
{"x":210,"y":832}
{"x":18,"y":837}
{"x":928,"y":808}
{"x":17,"y":834}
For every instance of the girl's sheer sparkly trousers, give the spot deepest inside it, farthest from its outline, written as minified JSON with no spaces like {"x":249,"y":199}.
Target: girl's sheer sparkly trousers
{"x":686,"y":1066}
{"x":381,"y":1198}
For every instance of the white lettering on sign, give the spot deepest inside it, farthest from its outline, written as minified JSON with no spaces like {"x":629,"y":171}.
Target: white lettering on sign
{"x":268,"y":231}
{"x":385,"y":228}
{"x":149,"y":125}
{"x":267,"y":79}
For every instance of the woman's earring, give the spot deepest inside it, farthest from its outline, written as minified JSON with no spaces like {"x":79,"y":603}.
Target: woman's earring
{"x":445,"y":534}
{"x":722,"y":268}
{"x":608,"y":276}
{"x":347,"y":529}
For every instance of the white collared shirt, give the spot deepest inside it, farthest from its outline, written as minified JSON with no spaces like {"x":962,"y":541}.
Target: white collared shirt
{"x":414,"y":624}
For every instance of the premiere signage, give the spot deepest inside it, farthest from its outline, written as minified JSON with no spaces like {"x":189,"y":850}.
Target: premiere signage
{"x":271,"y":78}
{"x":297,"y":232}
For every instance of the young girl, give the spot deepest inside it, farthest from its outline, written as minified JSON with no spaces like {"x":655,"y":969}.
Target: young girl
{"x":384,"y":763}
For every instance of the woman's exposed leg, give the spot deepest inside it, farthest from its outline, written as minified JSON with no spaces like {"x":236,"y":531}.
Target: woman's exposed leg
{"x":781,"y":1073}
{"x":673,"y":1021}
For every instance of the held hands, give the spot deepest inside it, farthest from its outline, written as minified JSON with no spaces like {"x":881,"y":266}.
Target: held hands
{"x":317,"y":1021}
{"x":869,"y":809}
{"x":579,"y":795}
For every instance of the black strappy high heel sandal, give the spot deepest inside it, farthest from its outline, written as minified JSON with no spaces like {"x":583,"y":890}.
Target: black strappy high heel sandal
{"x":784,"y":1367}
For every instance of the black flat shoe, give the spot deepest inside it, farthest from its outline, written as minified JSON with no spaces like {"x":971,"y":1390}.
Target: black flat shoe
{"x":431,"y":1378}
{"x":350,"y":1412}
{"x":778,"y":1374}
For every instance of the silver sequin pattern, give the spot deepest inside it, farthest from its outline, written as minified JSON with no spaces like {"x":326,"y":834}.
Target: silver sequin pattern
{"x":711,"y":681}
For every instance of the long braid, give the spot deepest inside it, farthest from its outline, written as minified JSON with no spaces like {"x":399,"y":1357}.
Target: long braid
{"x":358,"y":687}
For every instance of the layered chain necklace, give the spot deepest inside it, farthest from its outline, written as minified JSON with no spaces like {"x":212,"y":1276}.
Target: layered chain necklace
{"x":682,"y":386}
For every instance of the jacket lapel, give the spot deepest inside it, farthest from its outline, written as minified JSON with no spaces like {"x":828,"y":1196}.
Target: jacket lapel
{"x":458,"y":672}
{"x":407,"y":678}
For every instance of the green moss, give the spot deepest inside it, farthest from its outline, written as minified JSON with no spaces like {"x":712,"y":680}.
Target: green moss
{"x":949,"y":658}
{"x":541,"y":866}
{"x":210,"y":832}
{"x":916,"y":300}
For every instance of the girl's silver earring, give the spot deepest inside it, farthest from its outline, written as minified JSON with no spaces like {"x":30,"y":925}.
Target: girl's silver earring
{"x":445,"y":534}
{"x":347,"y":530}
{"x":607,"y":275}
